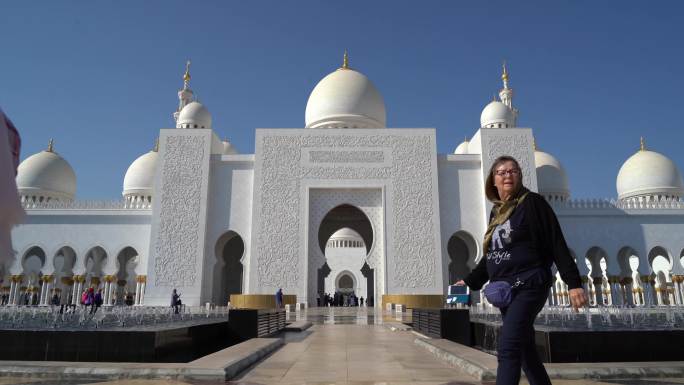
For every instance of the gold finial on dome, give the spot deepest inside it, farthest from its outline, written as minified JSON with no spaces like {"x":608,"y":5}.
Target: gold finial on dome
{"x":156,"y":145}
{"x":186,"y":75}
{"x":345,"y":60}
{"x":642,"y":144}
{"x":504,"y":75}
{"x":50,"y":145}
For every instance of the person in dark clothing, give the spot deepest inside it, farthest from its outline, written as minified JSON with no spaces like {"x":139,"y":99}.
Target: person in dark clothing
{"x":279,"y":298}
{"x":522,"y":242}
{"x":175,"y":301}
{"x":97,"y":301}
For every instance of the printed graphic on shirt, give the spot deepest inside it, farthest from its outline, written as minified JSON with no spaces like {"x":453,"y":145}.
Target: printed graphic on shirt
{"x":501,"y":237}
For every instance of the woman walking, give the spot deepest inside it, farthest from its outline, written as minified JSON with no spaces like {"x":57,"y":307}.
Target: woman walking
{"x":522,"y":242}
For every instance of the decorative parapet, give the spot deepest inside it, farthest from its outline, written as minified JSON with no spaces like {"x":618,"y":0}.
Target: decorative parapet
{"x":88,"y":205}
{"x":655,"y":204}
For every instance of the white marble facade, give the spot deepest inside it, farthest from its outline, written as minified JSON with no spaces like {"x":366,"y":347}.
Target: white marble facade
{"x":201,"y":218}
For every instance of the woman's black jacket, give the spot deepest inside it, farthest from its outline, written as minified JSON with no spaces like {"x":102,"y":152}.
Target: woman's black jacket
{"x":548,"y":237}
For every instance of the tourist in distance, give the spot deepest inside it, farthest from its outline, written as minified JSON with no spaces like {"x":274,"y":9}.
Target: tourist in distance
{"x":89,"y":298}
{"x":175,"y":301}
{"x":522,"y":242}
{"x":279,"y":298}
{"x":97,"y":301}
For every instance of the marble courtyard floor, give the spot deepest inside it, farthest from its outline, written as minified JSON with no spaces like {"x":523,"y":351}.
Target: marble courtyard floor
{"x":345,"y":346}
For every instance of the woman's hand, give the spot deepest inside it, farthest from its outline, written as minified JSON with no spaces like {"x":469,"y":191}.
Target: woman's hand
{"x":577,"y":298}
{"x":460,"y":283}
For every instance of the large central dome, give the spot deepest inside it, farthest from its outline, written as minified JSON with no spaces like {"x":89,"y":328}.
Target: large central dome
{"x":345,"y":99}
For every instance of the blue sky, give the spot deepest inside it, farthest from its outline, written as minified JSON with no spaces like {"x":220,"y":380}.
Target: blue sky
{"x":101,"y":78}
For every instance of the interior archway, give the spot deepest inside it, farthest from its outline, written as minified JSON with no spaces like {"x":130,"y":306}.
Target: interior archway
{"x":345,"y":215}
{"x":346,"y":254}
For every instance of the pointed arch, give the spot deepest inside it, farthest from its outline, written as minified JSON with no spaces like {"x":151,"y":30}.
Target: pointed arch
{"x":228,"y":269}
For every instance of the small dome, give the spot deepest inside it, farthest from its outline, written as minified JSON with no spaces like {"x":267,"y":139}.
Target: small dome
{"x":46,"y":175}
{"x":194,"y":115}
{"x":552,"y":181}
{"x":346,"y":233}
{"x":462,"y":148}
{"x":497,"y":115}
{"x":228,"y":148}
{"x":648,"y":173}
{"x":139,"y":179}
{"x":345,"y":237}
{"x":345,"y":99}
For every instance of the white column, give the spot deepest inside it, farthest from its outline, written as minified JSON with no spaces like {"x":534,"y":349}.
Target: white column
{"x":13,"y":287}
{"x":41,"y":295}
{"x":16,"y":293}
{"x":77,"y":292}
{"x":48,"y":297}
{"x":74,"y":288}
{"x":142,"y":293}
{"x":105,"y":294}
{"x":113,"y":286}
{"x":137,"y":293}
{"x":11,"y":292}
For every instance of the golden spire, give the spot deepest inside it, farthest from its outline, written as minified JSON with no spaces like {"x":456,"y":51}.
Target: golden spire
{"x":50,"y":145}
{"x":642,"y":144}
{"x":186,"y":75}
{"x":345,"y":60}
{"x":465,"y":138}
{"x":156,"y":145}
{"x":504,"y":75}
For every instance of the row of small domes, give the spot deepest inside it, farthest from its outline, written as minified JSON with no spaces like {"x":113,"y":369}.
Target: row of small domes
{"x":48,"y":176}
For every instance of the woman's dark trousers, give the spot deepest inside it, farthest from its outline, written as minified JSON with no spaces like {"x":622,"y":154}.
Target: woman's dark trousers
{"x":516,"y":347}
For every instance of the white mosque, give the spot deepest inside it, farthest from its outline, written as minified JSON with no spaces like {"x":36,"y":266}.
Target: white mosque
{"x":344,"y":204}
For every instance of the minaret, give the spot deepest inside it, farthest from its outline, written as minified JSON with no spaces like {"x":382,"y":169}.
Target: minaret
{"x":506,"y":93}
{"x":185,"y":95}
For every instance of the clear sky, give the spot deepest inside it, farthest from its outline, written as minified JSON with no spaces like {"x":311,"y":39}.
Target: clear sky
{"x":590,"y":77}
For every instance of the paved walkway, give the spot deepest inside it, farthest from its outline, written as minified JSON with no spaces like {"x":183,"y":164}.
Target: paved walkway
{"x":345,"y":346}
{"x":350,"y":354}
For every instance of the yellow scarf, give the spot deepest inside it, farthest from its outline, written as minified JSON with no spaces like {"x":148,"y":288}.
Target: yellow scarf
{"x":502,"y":211}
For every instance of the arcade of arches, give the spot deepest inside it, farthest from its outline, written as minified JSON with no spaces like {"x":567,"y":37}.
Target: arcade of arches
{"x":61,"y":279}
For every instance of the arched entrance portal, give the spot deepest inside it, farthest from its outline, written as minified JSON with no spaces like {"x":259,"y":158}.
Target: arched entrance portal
{"x":228,"y":269}
{"x":345,"y":237}
{"x":462,"y":250}
{"x":345,"y":283}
